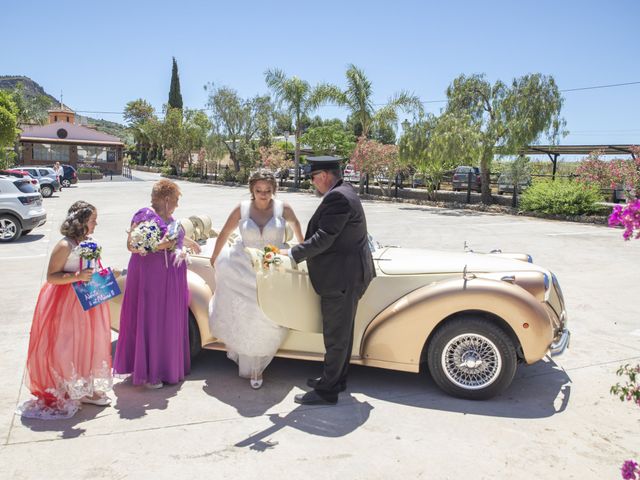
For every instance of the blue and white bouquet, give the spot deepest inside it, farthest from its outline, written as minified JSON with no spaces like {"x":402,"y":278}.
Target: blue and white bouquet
{"x":89,"y":251}
{"x":145,"y":237}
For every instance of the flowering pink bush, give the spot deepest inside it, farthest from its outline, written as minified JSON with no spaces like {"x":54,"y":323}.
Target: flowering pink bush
{"x":628,"y":217}
{"x":274,"y":158}
{"x":616,"y":173}
{"x":378,"y":160}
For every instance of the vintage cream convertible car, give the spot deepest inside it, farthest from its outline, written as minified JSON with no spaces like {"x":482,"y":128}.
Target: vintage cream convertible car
{"x":468,"y":317}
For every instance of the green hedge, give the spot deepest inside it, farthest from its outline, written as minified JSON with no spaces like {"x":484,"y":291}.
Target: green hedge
{"x":88,"y":170}
{"x":561,"y":197}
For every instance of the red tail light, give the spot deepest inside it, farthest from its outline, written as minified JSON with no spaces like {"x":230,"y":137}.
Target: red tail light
{"x":28,"y":200}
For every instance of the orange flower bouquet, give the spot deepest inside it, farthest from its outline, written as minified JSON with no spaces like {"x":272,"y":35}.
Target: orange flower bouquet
{"x":270,"y":256}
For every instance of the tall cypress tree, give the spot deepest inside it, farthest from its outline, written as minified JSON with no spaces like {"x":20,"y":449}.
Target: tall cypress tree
{"x":175,"y":97}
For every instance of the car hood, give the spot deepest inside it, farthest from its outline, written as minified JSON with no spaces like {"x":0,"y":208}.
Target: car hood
{"x":414,"y":261}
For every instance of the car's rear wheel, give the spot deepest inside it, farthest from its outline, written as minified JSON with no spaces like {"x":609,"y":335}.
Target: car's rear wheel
{"x":66,"y":183}
{"x":46,"y":191}
{"x":472,"y":357}
{"x":10,"y":228}
{"x":195,"y":341}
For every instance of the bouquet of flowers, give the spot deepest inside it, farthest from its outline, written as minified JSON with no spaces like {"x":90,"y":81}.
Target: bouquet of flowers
{"x":89,"y":251}
{"x":145,"y":237}
{"x":270,"y":256}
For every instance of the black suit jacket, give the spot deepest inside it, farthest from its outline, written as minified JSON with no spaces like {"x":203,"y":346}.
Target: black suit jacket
{"x":336,"y":245}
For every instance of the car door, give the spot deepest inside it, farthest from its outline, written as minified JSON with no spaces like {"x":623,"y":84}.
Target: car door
{"x":286,"y":296}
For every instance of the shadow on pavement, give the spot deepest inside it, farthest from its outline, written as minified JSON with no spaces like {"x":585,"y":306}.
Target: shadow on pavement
{"x":29,"y":238}
{"x":457,"y":212}
{"x":538,"y":391}
{"x":133,"y":401}
{"x":67,"y":427}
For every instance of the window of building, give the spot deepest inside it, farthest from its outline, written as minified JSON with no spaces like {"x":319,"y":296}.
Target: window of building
{"x":51,"y":153}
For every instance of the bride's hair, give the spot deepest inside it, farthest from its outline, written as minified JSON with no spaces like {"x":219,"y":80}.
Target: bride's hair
{"x":262,"y":176}
{"x":78,"y":215}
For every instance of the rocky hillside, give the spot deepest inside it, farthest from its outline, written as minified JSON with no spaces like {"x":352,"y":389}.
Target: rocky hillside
{"x":31,"y":88}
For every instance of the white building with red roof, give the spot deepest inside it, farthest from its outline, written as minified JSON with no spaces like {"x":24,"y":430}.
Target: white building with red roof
{"x":64,"y":141}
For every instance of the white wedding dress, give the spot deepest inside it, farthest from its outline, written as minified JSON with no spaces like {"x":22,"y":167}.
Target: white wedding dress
{"x":235,"y":318}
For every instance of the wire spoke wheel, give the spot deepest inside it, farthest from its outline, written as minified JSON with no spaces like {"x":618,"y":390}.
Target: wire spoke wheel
{"x":472,"y":357}
{"x":471,"y":361}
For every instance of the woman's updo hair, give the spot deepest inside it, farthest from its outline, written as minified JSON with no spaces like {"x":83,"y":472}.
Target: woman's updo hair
{"x":162,"y":189}
{"x":262,"y":176}
{"x":75,"y":226}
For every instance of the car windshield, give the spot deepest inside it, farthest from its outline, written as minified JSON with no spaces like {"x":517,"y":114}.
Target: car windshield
{"x":25,"y":186}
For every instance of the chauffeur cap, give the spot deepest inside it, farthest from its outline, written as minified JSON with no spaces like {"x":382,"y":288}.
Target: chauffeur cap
{"x":324,"y":163}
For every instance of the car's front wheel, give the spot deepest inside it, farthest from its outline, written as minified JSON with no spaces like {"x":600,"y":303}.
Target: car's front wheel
{"x":10,"y":228}
{"x":66,"y":183}
{"x":46,"y":191}
{"x":471,"y":357}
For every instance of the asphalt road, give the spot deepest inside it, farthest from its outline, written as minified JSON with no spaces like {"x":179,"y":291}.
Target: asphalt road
{"x":557,"y":420}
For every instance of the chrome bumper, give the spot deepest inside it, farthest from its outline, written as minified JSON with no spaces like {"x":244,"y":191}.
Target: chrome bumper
{"x":557,"y":348}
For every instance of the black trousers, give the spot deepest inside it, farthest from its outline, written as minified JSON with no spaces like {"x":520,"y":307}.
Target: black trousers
{"x":338,"y":314}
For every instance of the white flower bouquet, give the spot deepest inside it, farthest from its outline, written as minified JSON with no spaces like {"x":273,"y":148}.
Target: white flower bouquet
{"x":145,"y":237}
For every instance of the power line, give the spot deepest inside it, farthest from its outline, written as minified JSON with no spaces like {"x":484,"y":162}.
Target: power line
{"x":594,"y":87}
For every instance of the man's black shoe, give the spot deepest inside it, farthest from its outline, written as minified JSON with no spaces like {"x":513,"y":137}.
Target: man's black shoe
{"x":313,"y":383}
{"x":314,"y":398}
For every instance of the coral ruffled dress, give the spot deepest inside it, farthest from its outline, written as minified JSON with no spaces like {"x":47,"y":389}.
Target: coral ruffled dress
{"x":69,"y":350}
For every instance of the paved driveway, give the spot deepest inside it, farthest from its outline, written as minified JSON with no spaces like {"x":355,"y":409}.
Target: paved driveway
{"x":557,"y":420}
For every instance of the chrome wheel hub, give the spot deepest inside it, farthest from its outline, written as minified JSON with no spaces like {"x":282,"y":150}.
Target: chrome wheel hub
{"x":7,"y":229}
{"x":471,"y":361}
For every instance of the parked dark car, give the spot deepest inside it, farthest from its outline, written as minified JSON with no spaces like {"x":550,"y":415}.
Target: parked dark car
{"x":70,"y":176}
{"x":461,"y":178}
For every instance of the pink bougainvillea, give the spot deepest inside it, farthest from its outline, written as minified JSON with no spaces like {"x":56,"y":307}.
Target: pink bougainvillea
{"x":627,"y":217}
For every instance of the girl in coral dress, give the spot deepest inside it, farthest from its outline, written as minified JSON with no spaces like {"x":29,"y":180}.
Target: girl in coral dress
{"x":69,"y":359}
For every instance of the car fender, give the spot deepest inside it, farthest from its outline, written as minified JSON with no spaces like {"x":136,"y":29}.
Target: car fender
{"x":12,"y":213}
{"x":199,"y":296}
{"x":398,"y":334}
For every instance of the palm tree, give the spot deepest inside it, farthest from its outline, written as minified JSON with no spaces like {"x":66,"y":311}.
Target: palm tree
{"x":300,"y":100}
{"x":358,"y":99}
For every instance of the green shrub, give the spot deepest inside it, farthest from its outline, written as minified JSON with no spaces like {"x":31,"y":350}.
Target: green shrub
{"x":191,"y":174}
{"x":88,"y":170}
{"x":243,"y":177}
{"x":228,"y":175}
{"x":168,"y":170}
{"x":305,"y":184}
{"x":561,"y":197}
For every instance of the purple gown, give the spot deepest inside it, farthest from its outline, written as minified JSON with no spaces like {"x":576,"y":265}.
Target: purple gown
{"x":153,"y":343}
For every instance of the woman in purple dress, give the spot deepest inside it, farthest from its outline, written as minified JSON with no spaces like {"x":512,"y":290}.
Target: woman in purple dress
{"x":153,"y":343}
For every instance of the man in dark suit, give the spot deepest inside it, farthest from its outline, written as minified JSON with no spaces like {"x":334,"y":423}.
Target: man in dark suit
{"x":338,"y":256}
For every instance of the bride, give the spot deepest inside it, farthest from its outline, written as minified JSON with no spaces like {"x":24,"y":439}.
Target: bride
{"x":251,"y":338}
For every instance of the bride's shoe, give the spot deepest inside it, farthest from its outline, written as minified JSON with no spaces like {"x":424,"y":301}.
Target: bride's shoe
{"x":256,"y":380}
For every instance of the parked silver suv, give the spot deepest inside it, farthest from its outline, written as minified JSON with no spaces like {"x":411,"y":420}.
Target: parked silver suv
{"x":21,"y":208}
{"x":47,"y":178}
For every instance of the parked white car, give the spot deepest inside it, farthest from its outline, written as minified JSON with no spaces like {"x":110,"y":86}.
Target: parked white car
{"x":21,"y":208}
{"x":47,"y":178}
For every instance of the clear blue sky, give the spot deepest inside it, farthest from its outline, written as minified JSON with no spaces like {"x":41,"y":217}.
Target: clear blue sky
{"x":104,"y":54}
